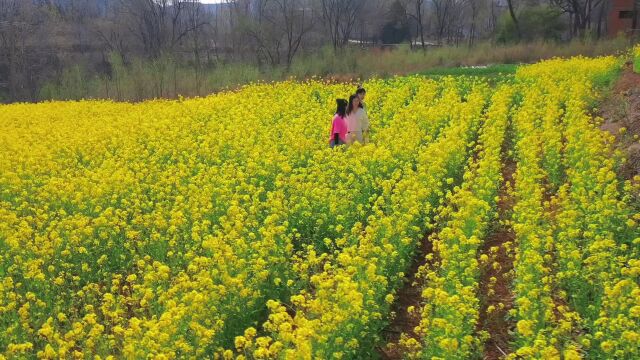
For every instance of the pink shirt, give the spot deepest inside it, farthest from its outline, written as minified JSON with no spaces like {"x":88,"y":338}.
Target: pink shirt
{"x":339,"y":126}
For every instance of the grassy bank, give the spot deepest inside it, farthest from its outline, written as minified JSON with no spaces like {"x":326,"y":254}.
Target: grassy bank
{"x":165,"y":78}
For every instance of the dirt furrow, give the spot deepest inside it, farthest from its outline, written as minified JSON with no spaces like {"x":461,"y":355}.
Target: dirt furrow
{"x":495,"y":294}
{"x":409,"y":295}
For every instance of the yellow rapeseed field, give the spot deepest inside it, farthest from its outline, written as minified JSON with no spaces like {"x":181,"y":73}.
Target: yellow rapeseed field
{"x":225,"y":227}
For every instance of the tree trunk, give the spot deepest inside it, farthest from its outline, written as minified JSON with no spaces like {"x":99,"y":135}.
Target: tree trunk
{"x":420,"y":25}
{"x":636,"y":15}
{"x":514,"y":18}
{"x":600,"y":18}
{"x":13,"y":92}
{"x":472,"y":27}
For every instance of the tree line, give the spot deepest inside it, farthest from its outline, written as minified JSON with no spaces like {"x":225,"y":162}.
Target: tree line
{"x":42,"y":42}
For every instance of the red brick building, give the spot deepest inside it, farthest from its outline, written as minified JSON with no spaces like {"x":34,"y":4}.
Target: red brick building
{"x":623,"y":17}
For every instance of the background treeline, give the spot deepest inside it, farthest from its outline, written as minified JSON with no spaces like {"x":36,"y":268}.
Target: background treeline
{"x":137,"y":49}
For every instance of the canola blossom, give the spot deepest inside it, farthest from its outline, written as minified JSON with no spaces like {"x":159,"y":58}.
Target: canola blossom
{"x":587,"y":257}
{"x":225,"y":227}
{"x":533,"y":284}
{"x":572,"y":299}
{"x":344,"y":313}
{"x":451,"y":308}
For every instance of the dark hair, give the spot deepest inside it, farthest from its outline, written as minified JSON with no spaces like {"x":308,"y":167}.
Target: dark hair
{"x":350,"y":107}
{"x":342,"y":107}
{"x":361,"y":90}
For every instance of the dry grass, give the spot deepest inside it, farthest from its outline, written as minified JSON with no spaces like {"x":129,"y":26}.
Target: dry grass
{"x":165,"y":78}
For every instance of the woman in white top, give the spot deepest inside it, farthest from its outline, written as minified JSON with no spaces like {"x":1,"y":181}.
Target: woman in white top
{"x":362,"y":93}
{"x":357,"y":121}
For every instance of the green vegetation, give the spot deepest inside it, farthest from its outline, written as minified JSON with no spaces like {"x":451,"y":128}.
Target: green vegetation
{"x":535,"y":23}
{"x":491,"y":70}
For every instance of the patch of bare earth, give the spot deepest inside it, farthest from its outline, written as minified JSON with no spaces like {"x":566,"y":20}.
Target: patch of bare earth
{"x":496,"y":298}
{"x":621,"y":110}
{"x":409,"y":295}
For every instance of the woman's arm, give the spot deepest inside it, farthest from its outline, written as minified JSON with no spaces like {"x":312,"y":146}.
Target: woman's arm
{"x":364,"y":121}
{"x":365,"y":126}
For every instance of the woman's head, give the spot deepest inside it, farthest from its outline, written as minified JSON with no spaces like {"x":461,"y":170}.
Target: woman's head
{"x":354,"y":103}
{"x":361,"y":92}
{"x":342,"y":107}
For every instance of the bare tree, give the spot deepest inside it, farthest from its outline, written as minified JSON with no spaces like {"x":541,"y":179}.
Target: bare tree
{"x":448,"y":14}
{"x":636,"y":18}
{"x":196,"y":20}
{"x":159,"y":24}
{"x":22,"y":48}
{"x":298,"y":21}
{"x":442,"y":10}
{"x":415,"y":10}
{"x":474,"y":6}
{"x":53,"y":44}
{"x":278,"y":28}
{"x":581,"y":13}
{"x":514,"y":18}
{"x":239,"y":25}
{"x":113,"y":38}
{"x":492,"y":17}
{"x":340,"y":17}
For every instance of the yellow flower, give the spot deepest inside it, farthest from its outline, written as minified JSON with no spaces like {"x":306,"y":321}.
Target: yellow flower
{"x":239,"y":342}
{"x":389,"y":298}
{"x":525,"y":327}
{"x":212,"y":212}
{"x":607,"y":346}
{"x":571,"y":354}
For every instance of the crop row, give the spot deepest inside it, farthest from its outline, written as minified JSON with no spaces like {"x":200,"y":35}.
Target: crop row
{"x":576,"y":263}
{"x":450,"y":306}
{"x":348,"y":300}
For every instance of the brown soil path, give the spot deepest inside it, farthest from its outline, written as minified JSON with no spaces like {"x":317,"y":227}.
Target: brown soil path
{"x":408,"y":295}
{"x":621,"y":109}
{"x":498,"y":246}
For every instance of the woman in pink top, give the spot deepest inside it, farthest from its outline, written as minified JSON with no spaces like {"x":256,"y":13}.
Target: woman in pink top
{"x":339,"y":124}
